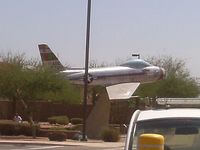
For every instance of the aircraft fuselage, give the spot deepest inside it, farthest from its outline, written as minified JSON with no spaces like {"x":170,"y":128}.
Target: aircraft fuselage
{"x":116,"y":75}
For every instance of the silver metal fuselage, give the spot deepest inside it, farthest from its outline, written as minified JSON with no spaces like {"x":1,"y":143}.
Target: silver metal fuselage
{"x":115,"y":75}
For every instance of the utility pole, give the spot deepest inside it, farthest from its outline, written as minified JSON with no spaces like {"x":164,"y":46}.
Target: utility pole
{"x":86,"y":70}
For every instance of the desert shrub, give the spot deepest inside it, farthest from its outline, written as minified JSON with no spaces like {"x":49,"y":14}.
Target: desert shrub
{"x":76,"y":121}
{"x":7,"y":127}
{"x":58,"y":128}
{"x":27,"y":129}
{"x":110,"y":135}
{"x":58,"y":119}
{"x":10,"y":127}
{"x":57,"y":136}
{"x":78,"y":127}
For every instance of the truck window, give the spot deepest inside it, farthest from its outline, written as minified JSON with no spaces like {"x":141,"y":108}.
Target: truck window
{"x":179,"y":134}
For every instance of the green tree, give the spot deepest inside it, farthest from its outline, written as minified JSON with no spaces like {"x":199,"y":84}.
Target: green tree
{"x":177,"y":83}
{"x":22,"y":81}
{"x":34,"y":81}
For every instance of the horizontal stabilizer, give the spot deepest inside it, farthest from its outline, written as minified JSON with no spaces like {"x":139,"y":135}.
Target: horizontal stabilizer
{"x":122,"y":91}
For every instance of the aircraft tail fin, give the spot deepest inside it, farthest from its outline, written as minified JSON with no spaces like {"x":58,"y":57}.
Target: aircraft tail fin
{"x":49,"y":59}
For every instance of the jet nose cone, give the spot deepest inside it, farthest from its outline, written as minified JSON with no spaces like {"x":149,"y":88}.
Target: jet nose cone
{"x":162,"y":73}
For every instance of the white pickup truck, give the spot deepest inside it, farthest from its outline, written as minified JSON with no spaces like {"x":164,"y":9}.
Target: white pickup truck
{"x":180,"y":126}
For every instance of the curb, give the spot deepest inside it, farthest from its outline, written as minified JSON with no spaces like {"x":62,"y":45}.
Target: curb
{"x":66,"y":143}
{"x":35,"y":142}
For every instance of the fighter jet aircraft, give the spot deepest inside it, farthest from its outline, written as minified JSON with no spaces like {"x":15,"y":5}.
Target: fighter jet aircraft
{"x":120,"y":81}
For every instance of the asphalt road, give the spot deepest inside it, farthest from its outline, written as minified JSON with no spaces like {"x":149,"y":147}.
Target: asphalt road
{"x":53,"y":147}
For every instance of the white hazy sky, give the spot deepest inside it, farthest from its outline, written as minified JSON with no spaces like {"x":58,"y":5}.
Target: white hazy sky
{"x":118,"y":29}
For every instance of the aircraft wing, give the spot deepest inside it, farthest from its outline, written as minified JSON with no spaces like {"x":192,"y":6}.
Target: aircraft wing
{"x":122,"y":91}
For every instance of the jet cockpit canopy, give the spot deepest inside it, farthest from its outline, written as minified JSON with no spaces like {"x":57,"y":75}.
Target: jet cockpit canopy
{"x":136,"y":63}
